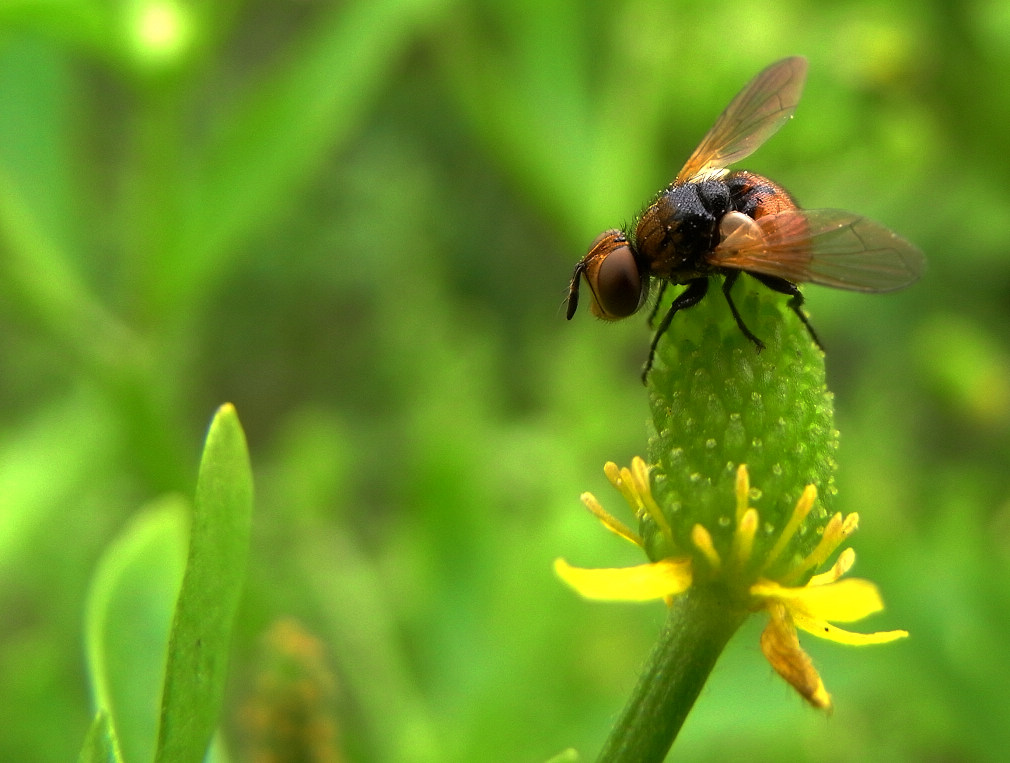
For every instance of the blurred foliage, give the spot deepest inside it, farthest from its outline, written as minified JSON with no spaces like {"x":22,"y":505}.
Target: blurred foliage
{"x":356,"y":222}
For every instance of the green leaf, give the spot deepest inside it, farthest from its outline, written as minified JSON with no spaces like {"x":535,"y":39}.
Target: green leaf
{"x":99,"y":745}
{"x":128,"y":613}
{"x":79,"y":23}
{"x":272,"y":140}
{"x":205,"y":613}
{"x":40,"y":279}
{"x":570,"y":755}
{"x":38,"y":133}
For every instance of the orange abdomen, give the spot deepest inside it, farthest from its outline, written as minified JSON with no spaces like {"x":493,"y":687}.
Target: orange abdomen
{"x":757,"y":196}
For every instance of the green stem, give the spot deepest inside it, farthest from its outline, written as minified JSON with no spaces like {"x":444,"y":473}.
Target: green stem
{"x":700,"y":624}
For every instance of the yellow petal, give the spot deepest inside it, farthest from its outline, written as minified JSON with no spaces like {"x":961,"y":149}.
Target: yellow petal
{"x":827,"y":631}
{"x":617,"y":478}
{"x":702,"y":540}
{"x":640,"y":475}
{"x":842,"y":565}
{"x":643,"y":582}
{"x":612,"y":523}
{"x":782,"y":649}
{"x":743,"y":537}
{"x":800,"y":512}
{"x":742,"y":491}
{"x":843,"y":601}
{"x":640,"y":472}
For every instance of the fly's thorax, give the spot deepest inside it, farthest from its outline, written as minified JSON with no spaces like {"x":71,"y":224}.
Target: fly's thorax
{"x":678,"y":231}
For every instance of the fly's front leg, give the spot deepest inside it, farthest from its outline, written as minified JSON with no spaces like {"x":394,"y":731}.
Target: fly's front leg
{"x":659,"y":301}
{"x":690,"y":297}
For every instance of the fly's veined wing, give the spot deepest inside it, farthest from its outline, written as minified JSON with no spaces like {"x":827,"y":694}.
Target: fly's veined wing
{"x":751,"y":118}
{"x":829,"y":247}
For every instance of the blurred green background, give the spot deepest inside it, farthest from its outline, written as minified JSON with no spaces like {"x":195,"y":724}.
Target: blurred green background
{"x":356,"y":221}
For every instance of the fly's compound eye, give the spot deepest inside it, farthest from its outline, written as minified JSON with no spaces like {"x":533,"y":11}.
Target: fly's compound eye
{"x":616,"y":282}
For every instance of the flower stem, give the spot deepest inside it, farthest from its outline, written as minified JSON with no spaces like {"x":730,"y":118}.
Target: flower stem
{"x":701,"y":622}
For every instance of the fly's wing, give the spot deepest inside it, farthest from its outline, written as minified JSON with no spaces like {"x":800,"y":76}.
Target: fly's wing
{"x":757,"y":112}
{"x":829,"y":247}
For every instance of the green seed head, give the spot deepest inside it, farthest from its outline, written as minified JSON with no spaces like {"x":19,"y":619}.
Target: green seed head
{"x":718,"y":402}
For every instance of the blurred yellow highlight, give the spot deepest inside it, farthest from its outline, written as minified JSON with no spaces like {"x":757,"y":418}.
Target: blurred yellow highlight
{"x":160,"y":31}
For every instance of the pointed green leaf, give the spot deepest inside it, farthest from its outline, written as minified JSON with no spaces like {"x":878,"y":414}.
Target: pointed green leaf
{"x":128,"y":613}
{"x":99,"y":744}
{"x":205,"y":613}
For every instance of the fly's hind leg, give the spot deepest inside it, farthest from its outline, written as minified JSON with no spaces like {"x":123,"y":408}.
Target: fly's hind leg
{"x":782,"y":286}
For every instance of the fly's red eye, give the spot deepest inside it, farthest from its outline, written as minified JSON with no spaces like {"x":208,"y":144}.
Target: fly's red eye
{"x":618,"y":283}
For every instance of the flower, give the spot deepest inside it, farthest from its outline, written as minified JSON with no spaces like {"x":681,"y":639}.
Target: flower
{"x":811,"y":606}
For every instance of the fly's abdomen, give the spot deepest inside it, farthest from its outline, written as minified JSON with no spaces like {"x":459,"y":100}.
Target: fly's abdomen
{"x":757,"y":196}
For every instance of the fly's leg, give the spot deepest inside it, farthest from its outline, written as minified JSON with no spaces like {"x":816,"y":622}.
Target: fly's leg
{"x":782,"y":286}
{"x":659,"y":301}
{"x":726,"y":286}
{"x":690,"y":297}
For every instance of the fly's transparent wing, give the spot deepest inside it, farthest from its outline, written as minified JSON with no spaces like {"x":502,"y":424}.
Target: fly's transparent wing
{"x":829,"y":247}
{"x":757,"y":112}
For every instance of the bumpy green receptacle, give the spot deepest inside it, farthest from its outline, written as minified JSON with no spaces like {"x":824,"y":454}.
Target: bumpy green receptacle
{"x":717,"y":402}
